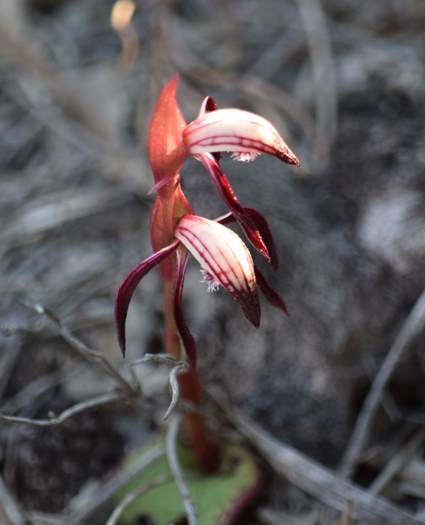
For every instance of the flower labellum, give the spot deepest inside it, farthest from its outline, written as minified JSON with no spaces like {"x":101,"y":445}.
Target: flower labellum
{"x":241,"y":132}
{"x":224,"y":257}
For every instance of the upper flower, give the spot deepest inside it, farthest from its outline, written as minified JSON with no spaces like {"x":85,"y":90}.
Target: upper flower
{"x":241,"y":132}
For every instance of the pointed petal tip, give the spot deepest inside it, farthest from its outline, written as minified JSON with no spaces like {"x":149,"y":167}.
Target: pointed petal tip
{"x":121,"y":308}
{"x":287,"y":156}
{"x":263,"y":230}
{"x":122,"y":348}
{"x":250,"y":305}
{"x":208,"y":105}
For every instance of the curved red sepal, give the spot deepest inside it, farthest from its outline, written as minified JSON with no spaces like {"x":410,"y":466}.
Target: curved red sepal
{"x":184,"y":332}
{"x":208,"y":105}
{"x":226,"y":192}
{"x":250,"y":305}
{"x":262,"y":225}
{"x":126,"y":290}
{"x":270,"y":294}
{"x":165,"y":143}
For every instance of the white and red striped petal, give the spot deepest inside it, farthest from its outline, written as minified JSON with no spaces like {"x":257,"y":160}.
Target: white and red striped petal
{"x":222,"y":254}
{"x":240,"y":132}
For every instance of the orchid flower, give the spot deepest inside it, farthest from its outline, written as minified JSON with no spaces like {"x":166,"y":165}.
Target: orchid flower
{"x":246,"y":135}
{"x":176,"y":232}
{"x":225,"y":261}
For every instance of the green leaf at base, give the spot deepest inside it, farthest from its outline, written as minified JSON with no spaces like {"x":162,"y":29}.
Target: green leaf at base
{"x":218,"y":498}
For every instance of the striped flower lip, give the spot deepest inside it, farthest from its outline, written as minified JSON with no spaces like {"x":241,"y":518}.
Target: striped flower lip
{"x":243,"y":133}
{"x":225,"y":260}
{"x":224,"y":257}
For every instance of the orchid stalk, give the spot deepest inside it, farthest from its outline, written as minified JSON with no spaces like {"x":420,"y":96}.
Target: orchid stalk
{"x":177,"y":233}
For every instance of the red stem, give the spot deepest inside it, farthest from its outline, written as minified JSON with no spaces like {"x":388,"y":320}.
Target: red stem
{"x":190,"y":390}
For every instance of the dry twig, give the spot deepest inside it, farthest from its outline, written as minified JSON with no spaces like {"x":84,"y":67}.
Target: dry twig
{"x":318,"y":481}
{"x":410,"y":329}
{"x":179,"y":368}
{"x":174,"y":385}
{"x":398,"y":462}
{"x":318,"y":40}
{"x":89,"y":404}
{"x":171,"y":445}
{"x":90,"y":355}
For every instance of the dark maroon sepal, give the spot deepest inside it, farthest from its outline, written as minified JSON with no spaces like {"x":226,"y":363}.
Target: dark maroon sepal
{"x":270,"y":294}
{"x":250,"y":305}
{"x":262,"y":226}
{"x":208,"y":105}
{"x":185,"y":335}
{"x":225,"y":190}
{"x":126,"y":290}
{"x":227,"y":218}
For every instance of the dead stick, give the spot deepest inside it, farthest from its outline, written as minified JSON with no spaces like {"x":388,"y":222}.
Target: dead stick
{"x":318,"y":481}
{"x":410,"y":329}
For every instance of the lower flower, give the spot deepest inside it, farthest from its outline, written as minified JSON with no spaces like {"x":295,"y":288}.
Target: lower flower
{"x":225,"y":261}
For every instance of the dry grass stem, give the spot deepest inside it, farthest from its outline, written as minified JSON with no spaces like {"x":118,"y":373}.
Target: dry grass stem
{"x":318,"y":481}
{"x":89,"y":404}
{"x":173,"y":461}
{"x":410,"y":329}
{"x":87,"y":353}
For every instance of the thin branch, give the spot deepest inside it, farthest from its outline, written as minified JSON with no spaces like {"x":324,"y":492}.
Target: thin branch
{"x":89,"y":404}
{"x":179,"y":368}
{"x":316,"y":480}
{"x":128,"y":500}
{"x":155,"y":358}
{"x":318,"y":40}
{"x":174,"y":385}
{"x":171,"y":449}
{"x":398,"y":462}
{"x":409,"y":331}
{"x":87,"y":353}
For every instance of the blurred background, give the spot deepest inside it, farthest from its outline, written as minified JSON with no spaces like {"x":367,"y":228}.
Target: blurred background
{"x":343,"y":81}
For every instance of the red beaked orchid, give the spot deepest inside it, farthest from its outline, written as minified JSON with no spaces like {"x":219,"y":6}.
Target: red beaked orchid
{"x":175,"y":231}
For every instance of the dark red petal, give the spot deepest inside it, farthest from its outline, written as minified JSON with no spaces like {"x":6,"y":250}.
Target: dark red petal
{"x":250,"y":305}
{"x":208,"y":104}
{"x":226,"y":192}
{"x":270,"y":294}
{"x":227,"y":218}
{"x":261,"y":223}
{"x":186,"y":337}
{"x":126,"y":290}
